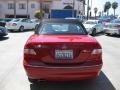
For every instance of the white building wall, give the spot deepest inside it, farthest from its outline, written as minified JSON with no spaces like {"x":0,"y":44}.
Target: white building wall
{"x":57,"y":4}
{"x":5,"y":11}
{"x":1,"y":9}
{"x":61,"y":4}
{"x":32,"y":11}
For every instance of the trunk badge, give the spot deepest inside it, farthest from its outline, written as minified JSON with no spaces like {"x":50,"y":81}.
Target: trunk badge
{"x":64,"y":47}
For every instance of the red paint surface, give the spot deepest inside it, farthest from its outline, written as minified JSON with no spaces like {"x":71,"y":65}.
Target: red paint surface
{"x":84,"y":64}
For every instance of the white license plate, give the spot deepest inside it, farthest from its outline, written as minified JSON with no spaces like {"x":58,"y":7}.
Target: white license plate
{"x":64,"y":54}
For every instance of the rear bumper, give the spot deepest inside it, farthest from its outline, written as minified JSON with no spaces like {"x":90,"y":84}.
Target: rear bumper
{"x":62,"y":73}
{"x":112,"y":31}
{"x":15,"y":28}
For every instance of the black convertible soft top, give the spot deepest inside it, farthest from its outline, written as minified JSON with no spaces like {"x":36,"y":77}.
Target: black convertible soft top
{"x":76,"y":21}
{"x":73,"y":21}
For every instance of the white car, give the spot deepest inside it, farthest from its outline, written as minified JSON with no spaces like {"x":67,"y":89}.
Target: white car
{"x":112,"y":28}
{"x":20,"y":24}
{"x":36,"y":21}
{"x":93,"y":26}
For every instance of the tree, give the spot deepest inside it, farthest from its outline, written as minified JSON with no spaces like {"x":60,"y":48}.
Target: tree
{"x":107,"y":6}
{"x":95,"y":11}
{"x":114,"y":6}
{"x":39,"y":14}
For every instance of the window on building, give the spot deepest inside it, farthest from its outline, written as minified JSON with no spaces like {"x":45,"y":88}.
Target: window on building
{"x":32,"y":5}
{"x":10,"y":5}
{"x":46,"y":8}
{"x":22,"y":6}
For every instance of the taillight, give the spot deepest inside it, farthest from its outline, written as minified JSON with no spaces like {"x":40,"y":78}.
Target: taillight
{"x":14,"y":24}
{"x":97,"y":51}
{"x":94,"y":51}
{"x":29,"y":51}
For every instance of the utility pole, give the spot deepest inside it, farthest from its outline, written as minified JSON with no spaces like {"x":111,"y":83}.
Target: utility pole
{"x":88,"y":9}
{"x":73,"y":8}
{"x":27,"y":9}
{"x":14,"y":8}
{"x":91,"y":9}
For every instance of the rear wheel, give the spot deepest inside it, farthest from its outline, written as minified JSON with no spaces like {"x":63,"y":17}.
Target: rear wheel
{"x":32,"y":80}
{"x":107,"y":34}
{"x":94,"y":32}
{"x":21,"y":29}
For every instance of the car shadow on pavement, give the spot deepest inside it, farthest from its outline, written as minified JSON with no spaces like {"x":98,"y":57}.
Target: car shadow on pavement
{"x":114,"y":36}
{"x":3,"y":38}
{"x":99,"y":34}
{"x":100,"y":83}
{"x":29,"y":30}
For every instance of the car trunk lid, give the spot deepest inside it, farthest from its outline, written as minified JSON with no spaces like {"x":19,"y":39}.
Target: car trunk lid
{"x":63,"y":49}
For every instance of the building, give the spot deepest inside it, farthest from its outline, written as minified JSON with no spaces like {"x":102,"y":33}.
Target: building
{"x":27,"y":8}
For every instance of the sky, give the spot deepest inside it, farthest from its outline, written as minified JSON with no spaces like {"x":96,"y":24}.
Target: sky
{"x":100,"y":4}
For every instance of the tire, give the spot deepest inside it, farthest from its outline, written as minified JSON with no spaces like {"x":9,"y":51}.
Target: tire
{"x":21,"y":29}
{"x":94,"y":32}
{"x":33,"y":80}
{"x":107,"y":34}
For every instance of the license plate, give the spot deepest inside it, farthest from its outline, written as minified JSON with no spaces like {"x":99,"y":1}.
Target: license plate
{"x":64,"y":54}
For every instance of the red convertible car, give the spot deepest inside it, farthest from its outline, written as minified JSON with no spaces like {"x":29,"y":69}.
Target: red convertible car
{"x":62,"y":50}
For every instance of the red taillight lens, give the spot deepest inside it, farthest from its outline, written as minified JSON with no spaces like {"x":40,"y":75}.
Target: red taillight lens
{"x":29,"y":51}
{"x":95,"y":51}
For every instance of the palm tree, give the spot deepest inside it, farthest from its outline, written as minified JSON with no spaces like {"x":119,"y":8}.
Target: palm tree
{"x":95,"y":11}
{"x":107,"y":6}
{"x":114,"y":6}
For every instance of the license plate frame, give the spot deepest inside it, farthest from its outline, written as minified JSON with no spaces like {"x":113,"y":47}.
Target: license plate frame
{"x":64,"y":54}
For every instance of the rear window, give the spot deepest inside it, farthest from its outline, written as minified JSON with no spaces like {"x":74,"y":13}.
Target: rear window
{"x":61,"y":28}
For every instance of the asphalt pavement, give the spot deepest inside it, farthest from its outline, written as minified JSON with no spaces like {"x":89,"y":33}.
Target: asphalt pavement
{"x":13,"y":76}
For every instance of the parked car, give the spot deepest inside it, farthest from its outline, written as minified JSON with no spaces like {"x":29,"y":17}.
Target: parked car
{"x":36,"y":21}
{"x":93,"y":26}
{"x":113,"y":27}
{"x":3,"y":31}
{"x":20,"y":24}
{"x":105,"y":19}
{"x":62,"y":50}
{"x":3,"y":21}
